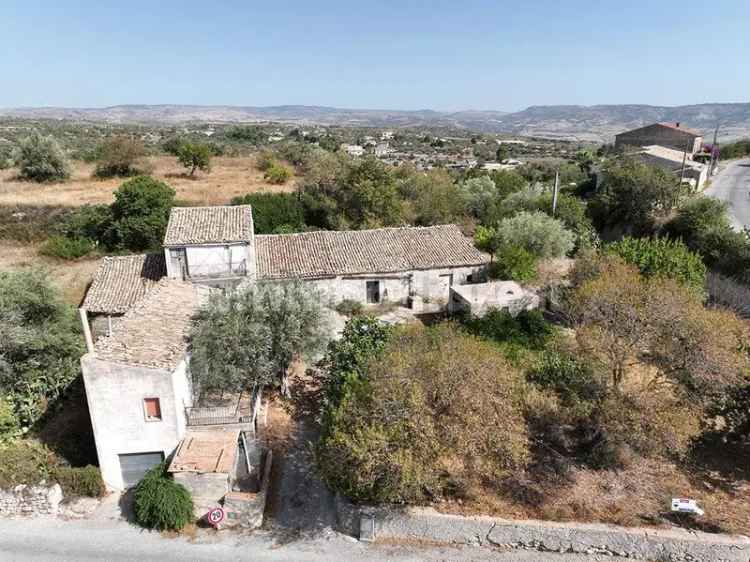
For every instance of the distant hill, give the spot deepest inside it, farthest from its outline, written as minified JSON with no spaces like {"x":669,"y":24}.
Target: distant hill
{"x":575,"y":122}
{"x":602,"y":122}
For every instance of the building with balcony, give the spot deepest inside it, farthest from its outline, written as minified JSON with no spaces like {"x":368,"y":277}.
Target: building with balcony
{"x":210,"y":243}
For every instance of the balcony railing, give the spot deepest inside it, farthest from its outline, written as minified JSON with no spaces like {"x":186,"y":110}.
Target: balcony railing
{"x":217,"y":271}
{"x":213,"y":415}
{"x":224,"y":411}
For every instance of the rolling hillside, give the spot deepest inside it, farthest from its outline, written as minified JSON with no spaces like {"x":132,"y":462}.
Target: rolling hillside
{"x":588,"y":123}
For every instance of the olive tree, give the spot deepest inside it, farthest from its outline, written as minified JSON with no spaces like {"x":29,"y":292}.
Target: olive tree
{"x":251,"y":335}
{"x":537,"y":233}
{"x":40,"y":158}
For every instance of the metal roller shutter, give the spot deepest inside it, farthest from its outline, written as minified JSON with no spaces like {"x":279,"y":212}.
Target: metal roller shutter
{"x":135,"y":465}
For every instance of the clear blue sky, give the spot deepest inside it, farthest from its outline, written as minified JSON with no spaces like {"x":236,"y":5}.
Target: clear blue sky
{"x":407,"y":54}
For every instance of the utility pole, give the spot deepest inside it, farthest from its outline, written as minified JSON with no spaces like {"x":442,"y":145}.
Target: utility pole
{"x":555,"y":191}
{"x":684,"y":160}
{"x":714,"y":152}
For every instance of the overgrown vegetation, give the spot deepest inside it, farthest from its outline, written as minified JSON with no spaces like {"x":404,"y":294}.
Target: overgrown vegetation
{"x":414,"y":426}
{"x":40,"y":344}
{"x":26,"y":461}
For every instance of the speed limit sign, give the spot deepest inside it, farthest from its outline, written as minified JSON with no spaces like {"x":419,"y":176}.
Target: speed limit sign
{"x":215,"y":516}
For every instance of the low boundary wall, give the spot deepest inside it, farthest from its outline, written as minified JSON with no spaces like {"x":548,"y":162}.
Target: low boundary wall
{"x":637,"y":543}
{"x":31,"y":501}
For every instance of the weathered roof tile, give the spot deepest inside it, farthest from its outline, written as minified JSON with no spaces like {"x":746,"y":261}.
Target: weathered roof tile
{"x":154,"y":332}
{"x":209,"y":225}
{"x":122,"y":281}
{"x":383,"y":250}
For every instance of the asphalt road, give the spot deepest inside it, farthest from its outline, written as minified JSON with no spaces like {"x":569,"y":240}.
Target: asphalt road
{"x":47,"y":540}
{"x":732,"y":184}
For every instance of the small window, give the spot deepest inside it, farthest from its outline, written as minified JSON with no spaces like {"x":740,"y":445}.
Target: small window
{"x":373,"y":292}
{"x":152,"y":408}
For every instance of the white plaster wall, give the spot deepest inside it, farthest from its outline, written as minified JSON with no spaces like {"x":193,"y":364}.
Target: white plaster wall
{"x":426,"y":286}
{"x":215,"y":260}
{"x":115,"y":396}
{"x":183,"y":394}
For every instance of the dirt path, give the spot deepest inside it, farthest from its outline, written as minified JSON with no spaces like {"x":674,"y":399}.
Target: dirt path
{"x":299,"y":502}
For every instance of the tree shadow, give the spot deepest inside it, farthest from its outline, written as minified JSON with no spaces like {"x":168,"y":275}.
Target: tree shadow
{"x":66,"y":427}
{"x":720,"y":462}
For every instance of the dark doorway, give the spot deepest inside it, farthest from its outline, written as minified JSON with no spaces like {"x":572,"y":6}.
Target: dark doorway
{"x":373,"y":292}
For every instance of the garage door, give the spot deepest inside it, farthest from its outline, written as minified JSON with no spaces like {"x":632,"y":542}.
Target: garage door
{"x":135,"y":465}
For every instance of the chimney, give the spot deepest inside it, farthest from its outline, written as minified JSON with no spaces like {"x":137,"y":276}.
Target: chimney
{"x":677,"y":124}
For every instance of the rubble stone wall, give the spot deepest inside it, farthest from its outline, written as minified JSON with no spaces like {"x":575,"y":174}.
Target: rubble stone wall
{"x":31,"y":501}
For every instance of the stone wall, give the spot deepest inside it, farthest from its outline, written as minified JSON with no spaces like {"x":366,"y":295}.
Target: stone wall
{"x":638,"y":543}
{"x":206,"y":489}
{"x":245,"y":509}
{"x":31,"y":501}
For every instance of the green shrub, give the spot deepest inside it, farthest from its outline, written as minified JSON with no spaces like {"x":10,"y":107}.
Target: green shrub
{"x":527,"y":329}
{"x":278,"y":174}
{"x":349,"y":307}
{"x":120,"y":156}
{"x":161,"y":503}
{"x":67,"y":248}
{"x":514,"y":262}
{"x":140,"y":214}
{"x":24,"y":461}
{"x":8,"y":421}
{"x":661,"y":256}
{"x":274,"y":212}
{"x":264,"y":160}
{"x":41,"y":159}
{"x":571,"y":379}
{"x":79,"y":481}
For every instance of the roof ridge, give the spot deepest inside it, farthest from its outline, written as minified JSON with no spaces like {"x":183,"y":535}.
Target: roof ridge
{"x":211,"y":206}
{"x":364,"y":230}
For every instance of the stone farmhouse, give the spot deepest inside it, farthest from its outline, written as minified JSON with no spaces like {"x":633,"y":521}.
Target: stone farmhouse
{"x":670,"y":135}
{"x":668,"y":146}
{"x":138,"y":312}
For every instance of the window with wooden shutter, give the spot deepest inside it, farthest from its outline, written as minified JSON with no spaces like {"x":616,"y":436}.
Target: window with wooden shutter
{"x":153,"y":409}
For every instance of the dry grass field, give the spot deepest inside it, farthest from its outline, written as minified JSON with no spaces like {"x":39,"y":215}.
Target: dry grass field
{"x":229,"y":178}
{"x":71,"y":276}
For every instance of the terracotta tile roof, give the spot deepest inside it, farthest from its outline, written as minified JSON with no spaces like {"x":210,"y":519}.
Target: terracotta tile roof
{"x":329,"y":253}
{"x":209,"y":225}
{"x":679,"y":127}
{"x":122,"y":281}
{"x":154,"y":332}
{"x":206,"y":451}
